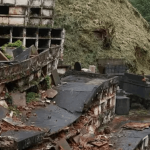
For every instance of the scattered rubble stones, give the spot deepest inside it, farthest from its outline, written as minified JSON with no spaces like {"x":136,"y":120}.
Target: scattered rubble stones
{"x":51,"y":93}
{"x":18,"y":99}
{"x":7,"y":143}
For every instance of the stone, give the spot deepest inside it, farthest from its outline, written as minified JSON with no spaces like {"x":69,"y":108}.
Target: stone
{"x":63,"y":144}
{"x":51,"y":93}
{"x":55,"y":77}
{"x":18,"y":99}
{"x":107,"y":130}
{"x":48,"y":101}
{"x":33,"y":50}
{"x":92,"y":68}
{"x":3,"y":103}
{"x":23,"y":56}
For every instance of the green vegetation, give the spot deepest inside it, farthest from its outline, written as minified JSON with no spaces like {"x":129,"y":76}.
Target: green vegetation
{"x":8,"y":98}
{"x":48,"y":81}
{"x":18,"y":43}
{"x":8,"y":56}
{"x":103,"y":29}
{"x":14,"y":109}
{"x":31,"y":97}
{"x":143,"y":7}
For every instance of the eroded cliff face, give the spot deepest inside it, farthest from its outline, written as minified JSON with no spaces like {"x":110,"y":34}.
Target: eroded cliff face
{"x":104,"y":29}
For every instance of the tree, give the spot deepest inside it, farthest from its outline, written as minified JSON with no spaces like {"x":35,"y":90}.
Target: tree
{"x":143,"y":7}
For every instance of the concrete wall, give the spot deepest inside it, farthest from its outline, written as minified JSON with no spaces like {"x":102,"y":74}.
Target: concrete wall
{"x":35,"y":12}
{"x":42,"y":38}
{"x":103,"y":109}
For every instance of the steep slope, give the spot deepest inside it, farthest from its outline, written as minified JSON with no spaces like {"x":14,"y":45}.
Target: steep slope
{"x":104,"y":29}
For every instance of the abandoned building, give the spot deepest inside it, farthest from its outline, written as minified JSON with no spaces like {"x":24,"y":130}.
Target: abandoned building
{"x":45,"y":105}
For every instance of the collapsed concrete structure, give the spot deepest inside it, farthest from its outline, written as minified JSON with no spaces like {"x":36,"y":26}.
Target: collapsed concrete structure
{"x":30,"y":22}
{"x":85,"y":101}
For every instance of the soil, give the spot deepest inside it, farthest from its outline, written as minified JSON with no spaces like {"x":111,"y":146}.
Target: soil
{"x":104,"y":29}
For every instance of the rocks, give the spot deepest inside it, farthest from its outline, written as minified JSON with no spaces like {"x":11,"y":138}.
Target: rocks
{"x":3,"y":103}
{"x":107,"y":130}
{"x":7,"y":143}
{"x":18,"y":99}
{"x":51,"y":93}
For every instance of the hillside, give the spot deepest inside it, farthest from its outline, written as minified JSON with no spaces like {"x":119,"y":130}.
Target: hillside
{"x":104,"y":29}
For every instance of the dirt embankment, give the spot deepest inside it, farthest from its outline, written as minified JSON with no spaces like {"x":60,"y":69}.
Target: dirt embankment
{"x":104,"y":29}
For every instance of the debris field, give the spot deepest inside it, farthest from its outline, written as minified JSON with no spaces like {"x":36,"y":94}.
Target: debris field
{"x":47,"y":105}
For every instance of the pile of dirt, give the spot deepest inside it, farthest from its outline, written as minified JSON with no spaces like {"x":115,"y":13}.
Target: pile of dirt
{"x":104,"y":29}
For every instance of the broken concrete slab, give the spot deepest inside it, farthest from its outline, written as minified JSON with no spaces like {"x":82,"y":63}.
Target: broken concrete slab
{"x":128,"y":139}
{"x":3,"y":57}
{"x":55,"y":77}
{"x":7,"y":142}
{"x":51,"y":93}
{"x":52,"y":118}
{"x":24,"y":139}
{"x":34,"y":51}
{"x":17,"y":51}
{"x":3,"y":112}
{"x":4,"y":104}
{"x":18,"y":99}
{"x":63,"y":145}
{"x":10,"y":120}
{"x":23,"y":56}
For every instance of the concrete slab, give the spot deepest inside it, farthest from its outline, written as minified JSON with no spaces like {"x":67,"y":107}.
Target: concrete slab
{"x":52,"y":117}
{"x":128,"y":139}
{"x":3,"y":112}
{"x":25,"y":139}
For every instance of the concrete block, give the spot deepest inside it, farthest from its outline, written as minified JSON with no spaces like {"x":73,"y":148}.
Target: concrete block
{"x":47,"y":13}
{"x":122,"y":105}
{"x":8,"y":1}
{"x":46,"y":22}
{"x":22,"y":2}
{"x":51,"y":93}
{"x":34,"y":21}
{"x":16,"y":21}
{"x":17,"y":10}
{"x":35,"y":3}
{"x":9,"y":51}
{"x":49,"y":3}
{"x":34,"y":51}
{"x":4,"y":20}
{"x":18,"y":99}
{"x":92,"y":68}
